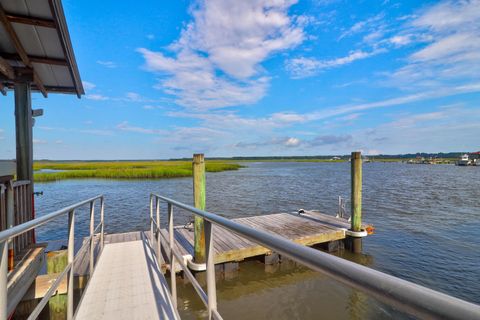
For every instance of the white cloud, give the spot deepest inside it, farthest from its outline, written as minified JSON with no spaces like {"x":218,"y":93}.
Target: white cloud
{"x":292,"y":142}
{"x":216,"y":62}
{"x":58,"y":141}
{"x":305,"y":67}
{"x":153,"y":107}
{"x":362,"y":26}
{"x":108,"y":64}
{"x":88,"y":85}
{"x":449,"y":33}
{"x":449,"y":128}
{"x":97,"y":97}
{"x":96,"y":132}
{"x":39,"y":141}
{"x":249,"y":126}
{"x":150,"y":36}
{"x":124,"y":126}
{"x":133,"y":96}
{"x":400,"y":40}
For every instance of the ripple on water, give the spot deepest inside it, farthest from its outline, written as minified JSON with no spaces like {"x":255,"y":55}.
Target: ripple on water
{"x":427,"y":220}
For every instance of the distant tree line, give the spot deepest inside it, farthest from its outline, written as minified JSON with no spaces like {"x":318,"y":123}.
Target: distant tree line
{"x":344,"y":157}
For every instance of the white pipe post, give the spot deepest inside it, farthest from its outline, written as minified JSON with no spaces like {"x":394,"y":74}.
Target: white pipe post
{"x":3,"y":279}
{"x":70,"y":254}
{"x":102,"y":208}
{"x":173,"y":277}
{"x":159,"y":244}
{"x":10,"y":220}
{"x":151,"y":218}
{"x":210,"y":255}
{"x":92,"y":240}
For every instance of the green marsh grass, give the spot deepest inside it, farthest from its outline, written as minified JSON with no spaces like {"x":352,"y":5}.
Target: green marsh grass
{"x":124,"y":169}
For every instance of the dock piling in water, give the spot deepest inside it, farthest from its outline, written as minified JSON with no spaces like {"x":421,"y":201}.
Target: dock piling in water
{"x":356,"y":200}
{"x":199,"y":198}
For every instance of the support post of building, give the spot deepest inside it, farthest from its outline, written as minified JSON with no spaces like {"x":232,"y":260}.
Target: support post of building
{"x":199,"y":198}
{"x":356,"y":200}
{"x":24,"y":138}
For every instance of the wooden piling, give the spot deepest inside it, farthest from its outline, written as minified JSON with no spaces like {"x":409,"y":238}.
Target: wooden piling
{"x":356,"y":199}
{"x":199,"y":198}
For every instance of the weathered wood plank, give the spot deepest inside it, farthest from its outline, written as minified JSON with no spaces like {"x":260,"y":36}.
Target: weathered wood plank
{"x":20,"y":279}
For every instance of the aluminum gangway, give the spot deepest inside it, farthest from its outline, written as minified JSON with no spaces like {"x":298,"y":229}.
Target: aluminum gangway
{"x":127,"y":282}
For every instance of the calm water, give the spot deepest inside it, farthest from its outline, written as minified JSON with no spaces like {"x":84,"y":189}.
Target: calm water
{"x":426,"y":217}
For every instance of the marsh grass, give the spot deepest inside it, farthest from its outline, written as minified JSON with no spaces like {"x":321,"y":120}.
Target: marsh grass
{"x":124,"y":169}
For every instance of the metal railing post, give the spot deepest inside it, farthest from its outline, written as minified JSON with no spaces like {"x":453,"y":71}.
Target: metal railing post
{"x":92,"y":240}
{"x":102,"y":209}
{"x":159,"y":244}
{"x":70,"y":254}
{"x":3,"y":279}
{"x":173,"y":277}
{"x":151,"y":218}
{"x":210,"y":255}
{"x":10,"y":222}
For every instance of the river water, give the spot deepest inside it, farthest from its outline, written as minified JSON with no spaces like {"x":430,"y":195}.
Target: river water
{"x":427,"y":219}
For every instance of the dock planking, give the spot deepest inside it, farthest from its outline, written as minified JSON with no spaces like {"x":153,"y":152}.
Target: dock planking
{"x":309,"y":228}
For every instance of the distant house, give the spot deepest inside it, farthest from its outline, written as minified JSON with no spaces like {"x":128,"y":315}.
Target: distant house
{"x":336,"y":158}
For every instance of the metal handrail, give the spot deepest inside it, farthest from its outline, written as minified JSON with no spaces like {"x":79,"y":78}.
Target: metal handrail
{"x":404,"y":295}
{"x":209,"y":299}
{"x":7,"y":235}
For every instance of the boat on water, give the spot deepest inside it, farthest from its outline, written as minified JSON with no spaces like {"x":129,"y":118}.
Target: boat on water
{"x":464,"y":161}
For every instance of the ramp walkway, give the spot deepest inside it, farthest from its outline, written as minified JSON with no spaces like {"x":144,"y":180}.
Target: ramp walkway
{"x":127,"y":284}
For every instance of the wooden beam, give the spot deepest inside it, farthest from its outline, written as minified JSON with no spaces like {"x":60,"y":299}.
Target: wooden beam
{"x":6,"y":69}
{"x":20,"y":50}
{"x":36,"y":59}
{"x":72,"y":90}
{"x":34,"y":21}
{"x":68,"y":90}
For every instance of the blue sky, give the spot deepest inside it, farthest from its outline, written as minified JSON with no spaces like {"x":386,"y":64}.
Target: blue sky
{"x":266,"y":77}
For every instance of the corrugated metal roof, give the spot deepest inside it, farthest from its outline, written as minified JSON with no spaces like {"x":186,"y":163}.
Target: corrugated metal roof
{"x":42,"y":43}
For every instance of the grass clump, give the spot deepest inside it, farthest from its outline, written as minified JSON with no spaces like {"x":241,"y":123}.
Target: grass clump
{"x":123,"y":169}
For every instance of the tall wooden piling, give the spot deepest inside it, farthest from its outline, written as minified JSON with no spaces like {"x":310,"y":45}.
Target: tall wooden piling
{"x":199,"y":198}
{"x":356,"y":199}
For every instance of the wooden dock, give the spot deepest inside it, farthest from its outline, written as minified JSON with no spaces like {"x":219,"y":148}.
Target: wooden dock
{"x":309,"y":228}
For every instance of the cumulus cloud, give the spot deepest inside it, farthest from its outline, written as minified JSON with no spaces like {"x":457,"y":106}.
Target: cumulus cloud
{"x":216,"y":62}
